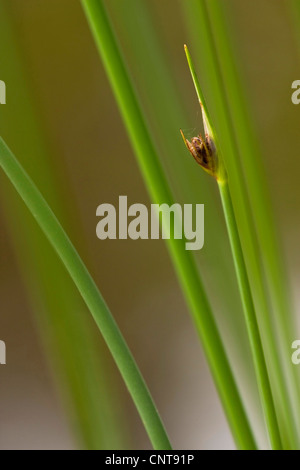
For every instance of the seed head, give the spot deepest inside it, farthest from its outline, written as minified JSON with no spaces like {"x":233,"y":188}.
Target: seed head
{"x":204,"y":152}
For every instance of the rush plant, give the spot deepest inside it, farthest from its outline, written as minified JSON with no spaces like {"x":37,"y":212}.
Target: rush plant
{"x":228,"y":151}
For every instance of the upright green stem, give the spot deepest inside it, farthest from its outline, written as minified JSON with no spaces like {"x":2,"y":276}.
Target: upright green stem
{"x":209,"y":33}
{"x":90,"y":294}
{"x":219,"y":172}
{"x":250,"y":316}
{"x":159,"y":190}
{"x":253,"y":167}
{"x":254,"y":214}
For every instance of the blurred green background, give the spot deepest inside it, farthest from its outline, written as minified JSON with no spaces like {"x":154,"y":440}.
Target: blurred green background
{"x":61,"y":120}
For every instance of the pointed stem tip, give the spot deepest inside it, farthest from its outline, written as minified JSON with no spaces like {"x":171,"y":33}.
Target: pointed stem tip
{"x":205,"y":151}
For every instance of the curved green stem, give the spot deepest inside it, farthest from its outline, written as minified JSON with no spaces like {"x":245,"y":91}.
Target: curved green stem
{"x":250,"y":316}
{"x":74,"y":352}
{"x":90,"y":294}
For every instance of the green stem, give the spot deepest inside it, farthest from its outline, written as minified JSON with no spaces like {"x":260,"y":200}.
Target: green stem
{"x":241,"y":271}
{"x":250,"y":316}
{"x":255,"y":180}
{"x":209,"y":33}
{"x":81,"y":372}
{"x":160,"y":193}
{"x":280,"y":322}
{"x":90,"y":294}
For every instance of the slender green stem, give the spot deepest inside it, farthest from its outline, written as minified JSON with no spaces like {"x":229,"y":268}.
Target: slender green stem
{"x":280,"y":322}
{"x":90,"y":294}
{"x":160,"y":193}
{"x":136,"y":19}
{"x":241,"y":270}
{"x":250,"y":316}
{"x":255,"y":180}
{"x":211,"y":30}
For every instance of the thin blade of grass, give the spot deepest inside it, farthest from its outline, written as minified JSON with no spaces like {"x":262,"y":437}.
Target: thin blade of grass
{"x":160,"y":193}
{"x":159,"y":85}
{"x":90,"y":294}
{"x":81,"y":373}
{"x":250,"y":315}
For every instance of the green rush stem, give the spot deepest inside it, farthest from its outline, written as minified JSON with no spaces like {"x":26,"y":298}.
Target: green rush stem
{"x":159,"y":191}
{"x":277,"y":324}
{"x":90,"y":294}
{"x":280,"y":369}
{"x":250,"y":317}
{"x":255,"y":179}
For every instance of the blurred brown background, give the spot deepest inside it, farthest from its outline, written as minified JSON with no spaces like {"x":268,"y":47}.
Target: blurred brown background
{"x":93,"y":158}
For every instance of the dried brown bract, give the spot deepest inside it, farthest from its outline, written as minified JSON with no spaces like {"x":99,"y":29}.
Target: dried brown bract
{"x":203,"y":151}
